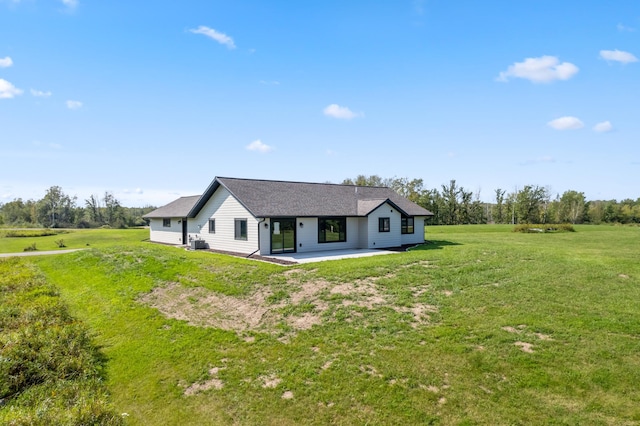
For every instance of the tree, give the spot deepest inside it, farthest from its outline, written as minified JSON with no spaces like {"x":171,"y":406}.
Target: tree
{"x":55,"y":210}
{"x":499,"y":211}
{"x":450,"y":196}
{"x":94,"y":209}
{"x":114,"y":214}
{"x":572,"y":207}
{"x":529,"y":202}
{"x":17,"y":212}
{"x":410,"y":189}
{"x":362,"y":180}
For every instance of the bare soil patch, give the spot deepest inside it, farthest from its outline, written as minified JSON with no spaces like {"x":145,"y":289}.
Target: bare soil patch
{"x":213,"y":383}
{"x":525,"y":347}
{"x":205,"y":308}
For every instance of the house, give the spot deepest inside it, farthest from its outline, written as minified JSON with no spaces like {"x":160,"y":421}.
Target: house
{"x":272,"y":217}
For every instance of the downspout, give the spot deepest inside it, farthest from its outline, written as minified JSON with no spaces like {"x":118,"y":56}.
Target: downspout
{"x":263,"y":219}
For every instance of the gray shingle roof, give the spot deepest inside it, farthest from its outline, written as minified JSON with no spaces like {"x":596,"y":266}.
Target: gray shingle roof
{"x":177,"y":208}
{"x":268,"y":198}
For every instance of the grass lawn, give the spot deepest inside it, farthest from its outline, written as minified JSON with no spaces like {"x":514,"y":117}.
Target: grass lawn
{"x":482,"y":326}
{"x":72,"y":238}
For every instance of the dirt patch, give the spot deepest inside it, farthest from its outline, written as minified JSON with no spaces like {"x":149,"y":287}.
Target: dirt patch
{"x":270,"y":382}
{"x":205,"y":308}
{"x":525,"y":347}
{"x":213,"y":383}
{"x":201,"y":307}
{"x":624,"y":276}
{"x":543,"y":336}
{"x":287,"y":395}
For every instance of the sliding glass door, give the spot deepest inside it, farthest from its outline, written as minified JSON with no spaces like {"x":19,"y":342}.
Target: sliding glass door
{"x":283,"y":235}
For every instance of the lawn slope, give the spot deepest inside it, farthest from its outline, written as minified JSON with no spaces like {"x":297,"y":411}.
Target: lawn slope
{"x":481,"y":326}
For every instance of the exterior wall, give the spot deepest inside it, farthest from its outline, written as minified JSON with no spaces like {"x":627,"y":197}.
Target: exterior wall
{"x":160,"y":234}
{"x":224,"y":208}
{"x":378,"y":239}
{"x":363,"y":232}
{"x":308,"y":236}
{"x":265,"y":237}
{"x":418,"y":235}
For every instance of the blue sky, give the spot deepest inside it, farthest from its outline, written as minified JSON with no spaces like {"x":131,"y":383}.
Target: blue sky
{"x":151,"y":100}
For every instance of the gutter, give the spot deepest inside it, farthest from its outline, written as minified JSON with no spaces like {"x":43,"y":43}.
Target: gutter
{"x":259,"y":223}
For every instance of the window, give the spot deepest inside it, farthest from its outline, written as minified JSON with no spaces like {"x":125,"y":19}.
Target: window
{"x":384,"y":224}
{"x":166,"y":223}
{"x":240,"y":229}
{"x":212,"y":226}
{"x":407,"y":225}
{"x":332,"y":230}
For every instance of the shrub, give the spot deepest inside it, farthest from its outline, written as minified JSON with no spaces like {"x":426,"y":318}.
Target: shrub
{"x":60,"y":243}
{"x":32,"y":247}
{"x":544,"y":228}
{"x":30,"y":233}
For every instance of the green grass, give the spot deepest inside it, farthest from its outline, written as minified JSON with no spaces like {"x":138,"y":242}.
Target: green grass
{"x":575,"y":297}
{"x":14,"y":241}
{"x":50,"y":372}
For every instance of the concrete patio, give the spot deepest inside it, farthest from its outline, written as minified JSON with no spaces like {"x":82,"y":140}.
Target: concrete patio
{"x":321,"y":256}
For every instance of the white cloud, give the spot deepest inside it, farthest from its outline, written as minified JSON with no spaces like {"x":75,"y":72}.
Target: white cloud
{"x":624,"y":28}
{"x":343,"y":113}
{"x":618,"y":56}
{"x":6,"y":62}
{"x":215,"y":35}
{"x":40,"y":93}
{"x":259,"y":146}
{"x":71,"y":4}
{"x":74,"y":104}
{"x":566,"y":123}
{"x":544,"y":69}
{"x":603,"y":127}
{"x":8,"y":90}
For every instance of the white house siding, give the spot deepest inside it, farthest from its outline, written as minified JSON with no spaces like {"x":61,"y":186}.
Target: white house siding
{"x":167,"y":235}
{"x":418,"y":235}
{"x":363,"y":232}
{"x":224,"y":208}
{"x":378,"y":239}
{"x":308,"y":236}
{"x":265,"y":237}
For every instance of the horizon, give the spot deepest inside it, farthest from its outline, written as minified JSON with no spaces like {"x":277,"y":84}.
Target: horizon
{"x":491,"y":94}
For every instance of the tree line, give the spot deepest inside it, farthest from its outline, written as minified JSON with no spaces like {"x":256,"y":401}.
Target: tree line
{"x":452,"y":204}
{"x":59,"y":210}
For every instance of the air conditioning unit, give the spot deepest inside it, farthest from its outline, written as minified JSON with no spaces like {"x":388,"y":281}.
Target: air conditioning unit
{"x":198,"y":244}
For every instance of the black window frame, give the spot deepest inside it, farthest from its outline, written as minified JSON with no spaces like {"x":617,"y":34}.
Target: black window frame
{"x":404,"y":225}
{"x":166,"y":222}
{"x":384,"y":224}
{"x":212,"y":226}
{"x":322,"y":228}
{"x":238,"y":232}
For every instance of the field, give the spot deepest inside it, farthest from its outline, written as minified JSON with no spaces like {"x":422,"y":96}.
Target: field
{"x":14,"y":241}
{"x":480,"y":326}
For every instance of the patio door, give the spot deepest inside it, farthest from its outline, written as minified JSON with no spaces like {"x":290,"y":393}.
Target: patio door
{"x":283,"y":235}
